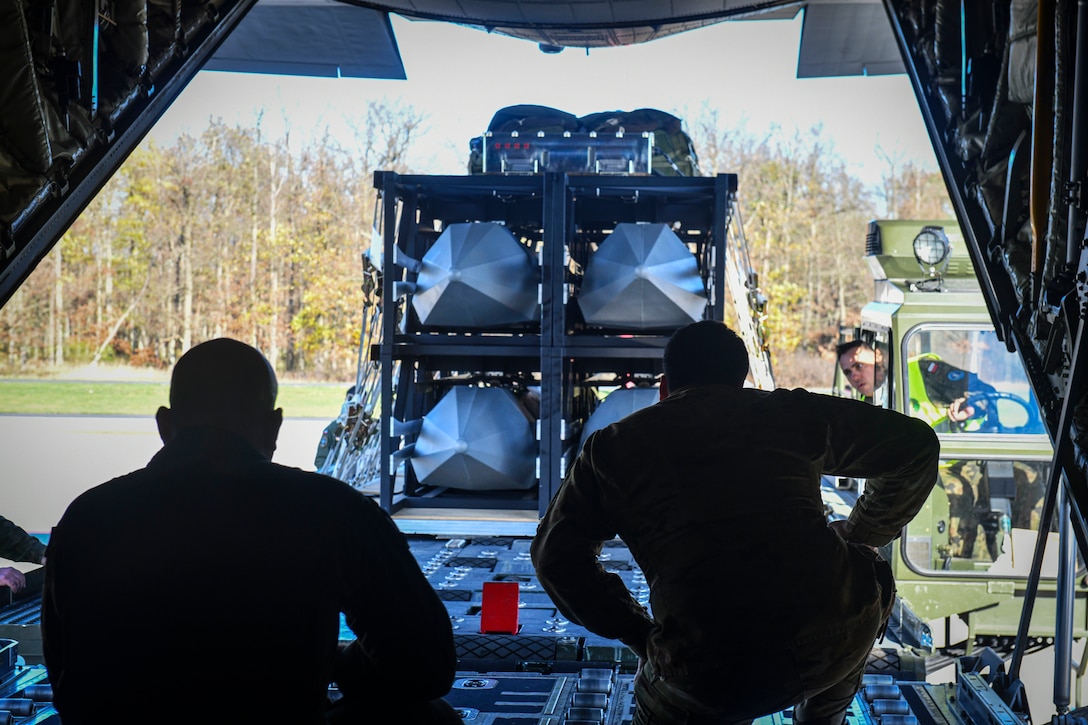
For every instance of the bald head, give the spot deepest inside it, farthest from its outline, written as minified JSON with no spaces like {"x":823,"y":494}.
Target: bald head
{"x":224,"y":383}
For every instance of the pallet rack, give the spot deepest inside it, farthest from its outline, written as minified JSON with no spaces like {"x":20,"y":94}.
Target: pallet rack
{"x":561,"y":218}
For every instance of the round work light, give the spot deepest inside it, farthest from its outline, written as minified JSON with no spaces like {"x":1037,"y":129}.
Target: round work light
{"x":931,"y":247}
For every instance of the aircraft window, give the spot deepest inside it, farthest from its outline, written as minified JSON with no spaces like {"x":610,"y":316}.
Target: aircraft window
{"x":983,"y":517}
{"x":966,"y":381}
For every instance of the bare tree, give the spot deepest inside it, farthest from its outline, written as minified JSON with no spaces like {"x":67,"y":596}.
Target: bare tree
{"x":805,"y":219}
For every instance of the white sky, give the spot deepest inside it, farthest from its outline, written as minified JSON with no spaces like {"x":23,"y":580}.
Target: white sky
{"x":458,"y":77}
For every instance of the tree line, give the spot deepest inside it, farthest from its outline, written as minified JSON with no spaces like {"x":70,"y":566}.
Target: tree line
{"x":231,"y":232}
{"x":805,"y":217}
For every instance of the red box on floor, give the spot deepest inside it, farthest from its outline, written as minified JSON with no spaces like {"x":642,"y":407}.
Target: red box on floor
{"x":499,"y":611}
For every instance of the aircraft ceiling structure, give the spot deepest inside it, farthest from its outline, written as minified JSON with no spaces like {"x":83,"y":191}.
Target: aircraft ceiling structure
{"x":587,"y":23}
{"x":850,"y":37}
{"x":311,"y":38}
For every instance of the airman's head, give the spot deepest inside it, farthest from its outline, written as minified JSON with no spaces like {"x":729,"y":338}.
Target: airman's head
{"x":224,"y":383}
{"x":704,"y":353}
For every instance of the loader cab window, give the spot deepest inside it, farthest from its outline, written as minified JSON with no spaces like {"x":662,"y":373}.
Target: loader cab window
{"x":983,"y":515}
{"x":982,"y":518}
{"x":963,"y":380}
{"x":861,"y":369}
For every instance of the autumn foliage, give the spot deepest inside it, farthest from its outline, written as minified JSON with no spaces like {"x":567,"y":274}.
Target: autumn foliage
{"x":232,"y":233}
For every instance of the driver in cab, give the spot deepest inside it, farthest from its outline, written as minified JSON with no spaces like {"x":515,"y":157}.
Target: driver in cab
{"x":939,"y":391}
{"x":861,"y":366}
{"x":939,"y":394}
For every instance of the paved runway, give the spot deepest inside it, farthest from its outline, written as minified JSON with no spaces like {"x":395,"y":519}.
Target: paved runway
{"x":48,"y":460}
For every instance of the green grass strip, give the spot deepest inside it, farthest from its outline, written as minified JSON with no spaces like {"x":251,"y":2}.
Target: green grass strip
{"x":70,"y":397}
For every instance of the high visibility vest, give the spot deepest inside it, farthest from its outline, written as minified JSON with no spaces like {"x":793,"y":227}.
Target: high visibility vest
{"x":920,"y":404}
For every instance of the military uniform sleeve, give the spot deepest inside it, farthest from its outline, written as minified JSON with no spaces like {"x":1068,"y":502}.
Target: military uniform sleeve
{"x":565,"y":549}
{"x":896,"y":454}
{"x":17,"y":545}
{"x":404,"y":636}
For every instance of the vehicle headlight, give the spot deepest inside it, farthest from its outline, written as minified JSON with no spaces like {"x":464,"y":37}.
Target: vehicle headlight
{"x":931,"y":248}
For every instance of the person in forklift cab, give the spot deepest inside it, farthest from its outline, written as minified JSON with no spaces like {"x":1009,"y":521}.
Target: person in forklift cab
{"x":220,"y":577}
{"x":862,"y":365}
{"x":939,"y":394}
{"x":757,"y":603}
{"x":938,"y":391}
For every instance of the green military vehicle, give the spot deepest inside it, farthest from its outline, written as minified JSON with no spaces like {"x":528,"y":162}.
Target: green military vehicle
{"x":962,"y":564}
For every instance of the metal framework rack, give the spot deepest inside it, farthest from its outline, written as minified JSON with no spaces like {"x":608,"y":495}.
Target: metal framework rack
{"x":555,"y":353}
